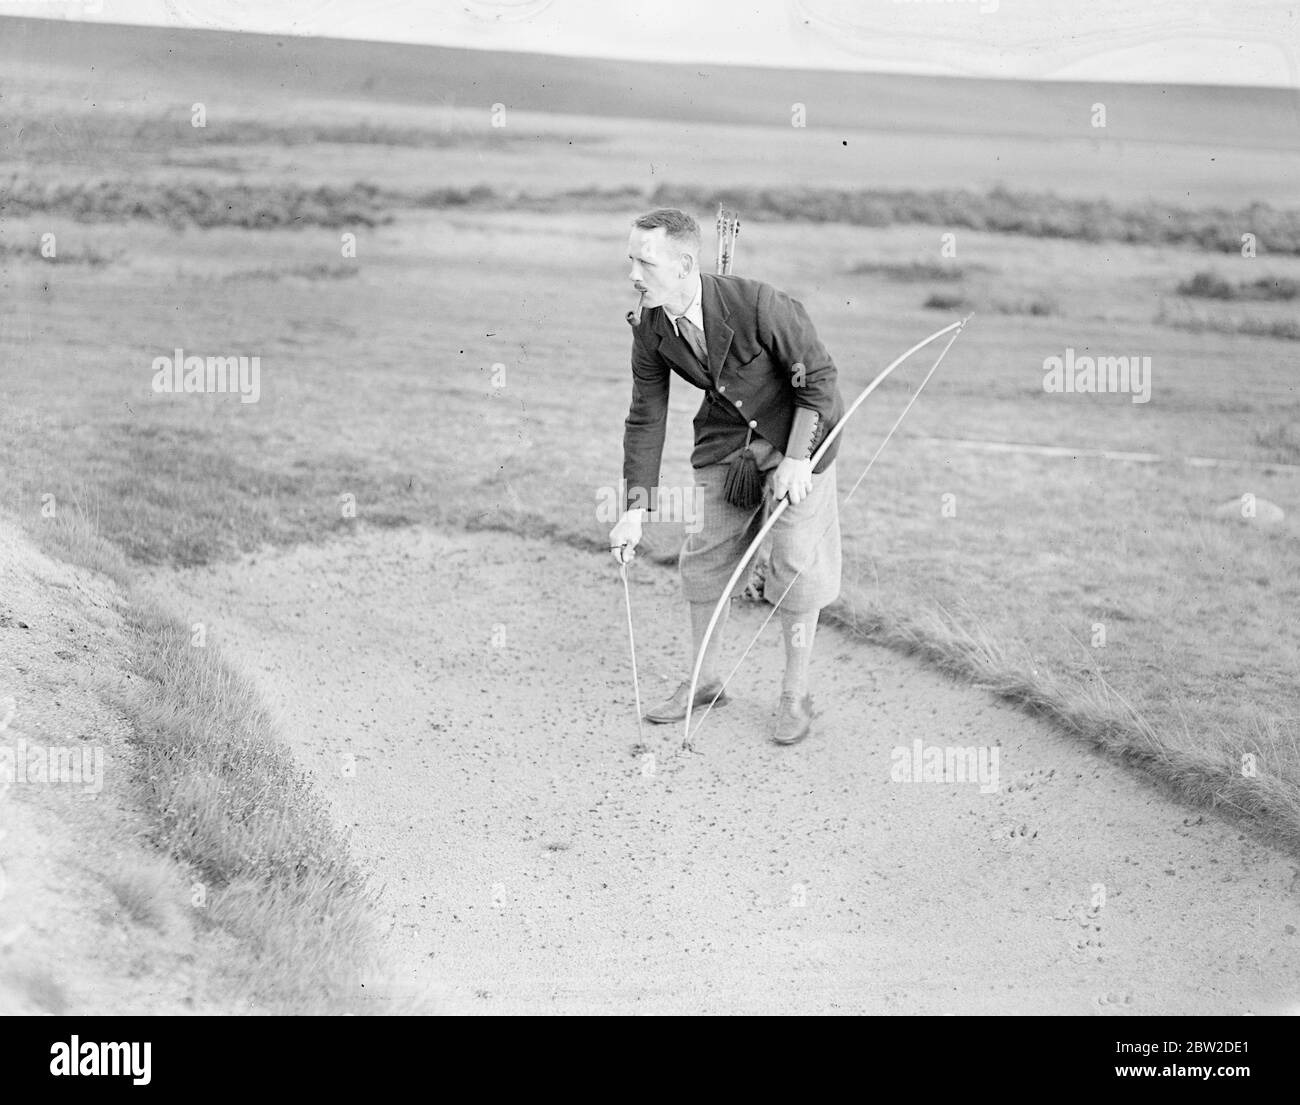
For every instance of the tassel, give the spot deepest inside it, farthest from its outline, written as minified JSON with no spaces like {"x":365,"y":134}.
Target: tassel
{"x":744,"y":483}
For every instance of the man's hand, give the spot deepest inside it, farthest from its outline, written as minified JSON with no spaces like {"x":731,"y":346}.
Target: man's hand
{"x":793,"y":478}
{"x":626,"y":533}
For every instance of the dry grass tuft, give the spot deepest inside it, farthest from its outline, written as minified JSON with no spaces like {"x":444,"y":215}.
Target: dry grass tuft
{"x":73,"y":535}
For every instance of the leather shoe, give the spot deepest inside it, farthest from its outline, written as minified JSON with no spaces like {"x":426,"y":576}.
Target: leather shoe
{"x":792,"y":721}
{"x":674,"y":708}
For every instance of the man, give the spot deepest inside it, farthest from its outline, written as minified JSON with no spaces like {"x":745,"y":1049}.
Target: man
{"x":770,"y":385}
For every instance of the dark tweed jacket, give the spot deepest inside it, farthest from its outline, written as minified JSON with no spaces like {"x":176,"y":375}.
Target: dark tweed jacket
{"x":756,"y":335}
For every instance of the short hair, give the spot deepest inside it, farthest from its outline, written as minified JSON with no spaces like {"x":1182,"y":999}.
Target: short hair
{"x":678,"y":226}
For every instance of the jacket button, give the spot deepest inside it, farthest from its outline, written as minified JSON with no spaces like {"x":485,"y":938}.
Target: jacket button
{"x":740,"y":402}
{"x":722,"y":388}
{"x":753,"y":425}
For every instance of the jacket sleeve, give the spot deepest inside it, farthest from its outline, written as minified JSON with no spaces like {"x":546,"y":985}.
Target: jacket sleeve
{"x":643,"y":432}
{"x":786,"y":331}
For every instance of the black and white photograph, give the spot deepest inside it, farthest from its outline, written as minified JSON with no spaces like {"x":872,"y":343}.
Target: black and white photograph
{"x":559,"y":508}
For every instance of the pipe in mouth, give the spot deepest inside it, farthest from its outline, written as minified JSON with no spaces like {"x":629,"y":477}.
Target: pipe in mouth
{"x":634,"y":315}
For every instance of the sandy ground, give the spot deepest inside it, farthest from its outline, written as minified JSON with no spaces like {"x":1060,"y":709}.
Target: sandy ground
{"x":465,"y":702}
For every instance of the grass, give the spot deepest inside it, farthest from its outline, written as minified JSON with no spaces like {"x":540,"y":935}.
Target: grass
{"x":909,"y":271}
{"x":1282,"y":329}
{"x":1209,"y":285}
{"x":230,"y":805}
{"x":319,"y":271}
{"x":32,"y":252}
{"x":73,"y":535}
{"x":197,"y":204}
{"x":1281,"y":440}
{"x":1038,"y":305}
{"x":1004,"y":211}
{"x":946,"y":301}
{"x":998,"y":210}
{"x":51,"y":137}
{"x":180,"y":496}
{"x":1286,"y":329}
{"x":454,"y":197}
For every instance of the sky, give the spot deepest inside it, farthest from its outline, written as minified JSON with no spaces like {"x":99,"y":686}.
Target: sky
{"x":1244,"y":42}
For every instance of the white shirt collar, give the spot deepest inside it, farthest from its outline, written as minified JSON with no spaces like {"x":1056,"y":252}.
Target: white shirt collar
{"x":695,"y":311}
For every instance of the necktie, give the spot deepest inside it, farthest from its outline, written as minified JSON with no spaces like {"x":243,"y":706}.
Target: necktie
{"x":694,"y":337}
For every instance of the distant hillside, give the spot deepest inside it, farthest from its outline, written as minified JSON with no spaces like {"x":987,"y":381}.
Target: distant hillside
{"x":117,"y":59}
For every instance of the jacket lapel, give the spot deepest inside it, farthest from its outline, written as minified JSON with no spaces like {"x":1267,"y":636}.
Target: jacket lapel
{"x":717,"y":333}
{"x":674,"y":349}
